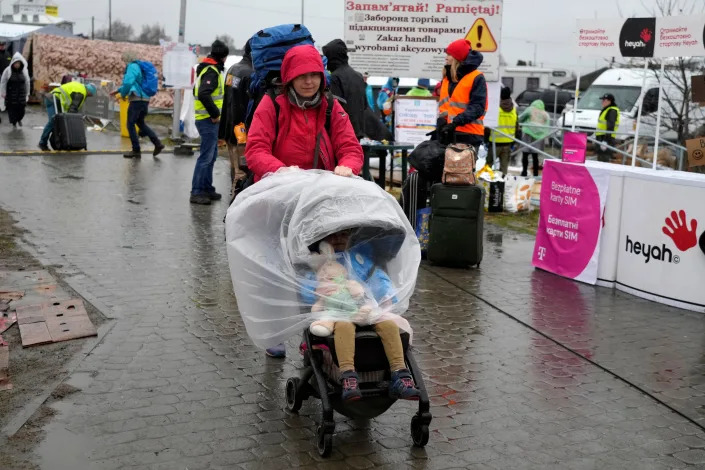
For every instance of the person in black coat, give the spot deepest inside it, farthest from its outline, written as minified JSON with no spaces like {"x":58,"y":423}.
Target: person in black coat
{"x":347,"y":84}
{"x":14,"y":89}
{"x":234,"y":112}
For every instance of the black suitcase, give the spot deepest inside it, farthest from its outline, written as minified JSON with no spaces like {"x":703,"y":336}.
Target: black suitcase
{"x":413,"y":196}
{"x":457,"y":216}
{"x":69,"y":132}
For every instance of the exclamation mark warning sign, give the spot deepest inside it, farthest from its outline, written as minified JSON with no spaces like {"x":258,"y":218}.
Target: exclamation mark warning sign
{"x":481,"y":37}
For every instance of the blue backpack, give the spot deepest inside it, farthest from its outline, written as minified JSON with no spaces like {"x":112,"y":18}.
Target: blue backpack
{"x":150,"y":78}
{"x":268,"y":49}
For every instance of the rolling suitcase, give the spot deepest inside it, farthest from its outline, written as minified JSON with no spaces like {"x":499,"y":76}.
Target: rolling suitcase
{"x":457,"y":215}
{"x":69,"y":132}
{"x":413,"y":196}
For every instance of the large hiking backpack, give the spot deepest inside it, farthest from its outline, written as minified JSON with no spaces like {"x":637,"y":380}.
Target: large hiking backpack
{"x":150,"y":78}
{"x":268,"y":49}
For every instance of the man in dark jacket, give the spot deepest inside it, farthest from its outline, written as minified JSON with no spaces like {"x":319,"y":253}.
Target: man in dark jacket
{"x":607,"y":125}
{"x":237,"y":82}
{"x":5,"y":59}
{"x":208,"y":90}
{"x":347,"y":84}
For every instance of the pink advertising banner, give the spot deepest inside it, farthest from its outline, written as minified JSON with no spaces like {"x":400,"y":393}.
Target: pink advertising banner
{"x":570,"y":224}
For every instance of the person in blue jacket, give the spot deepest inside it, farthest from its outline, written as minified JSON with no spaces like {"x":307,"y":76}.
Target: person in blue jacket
{"x":138,"y":109}
{"x":385,"y":99}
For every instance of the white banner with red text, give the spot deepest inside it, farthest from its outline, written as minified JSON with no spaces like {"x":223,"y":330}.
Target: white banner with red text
{"x":669,"y":36}
{"x":404,"y":38}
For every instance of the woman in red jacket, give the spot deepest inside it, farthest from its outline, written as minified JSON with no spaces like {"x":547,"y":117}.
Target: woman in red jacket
{"x":302,"y":118}
{"x":302,"y":132}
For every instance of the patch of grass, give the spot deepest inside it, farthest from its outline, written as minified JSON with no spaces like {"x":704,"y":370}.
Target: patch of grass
{"x":522,"y":222}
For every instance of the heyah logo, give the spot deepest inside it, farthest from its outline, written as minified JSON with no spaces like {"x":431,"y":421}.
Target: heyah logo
{"x":682,"y":234}
{"x":651,"y":252}
{"x":636,"y":39}
{"x":646,"y":35}
{"x":634,"y":44}
{"x":677,"y":229}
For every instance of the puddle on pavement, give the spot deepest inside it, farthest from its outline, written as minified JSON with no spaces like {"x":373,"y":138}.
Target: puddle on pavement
{"x":62,"y":449}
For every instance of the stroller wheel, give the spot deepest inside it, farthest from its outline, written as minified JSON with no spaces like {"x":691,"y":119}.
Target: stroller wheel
{"x":325,"y":442}
{"x":293,"y":398}
{"x":419,"y":432}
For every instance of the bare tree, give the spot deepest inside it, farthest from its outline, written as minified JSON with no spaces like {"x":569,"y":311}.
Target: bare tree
{"x":120,"y":32}
{"x":152,"y":34}
{"x":228,"y":40}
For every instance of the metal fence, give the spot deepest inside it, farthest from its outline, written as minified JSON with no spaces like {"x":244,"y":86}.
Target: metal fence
{"x":556,"y":133}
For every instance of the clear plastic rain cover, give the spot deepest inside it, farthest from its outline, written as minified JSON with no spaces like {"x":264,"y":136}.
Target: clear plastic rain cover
{"x":310,"y":245}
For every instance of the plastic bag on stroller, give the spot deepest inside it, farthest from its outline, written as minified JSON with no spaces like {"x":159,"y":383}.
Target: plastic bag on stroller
{"x":272,"y":231}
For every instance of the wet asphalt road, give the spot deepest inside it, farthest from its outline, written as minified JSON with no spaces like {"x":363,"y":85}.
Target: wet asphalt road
{"x":525,"y":370}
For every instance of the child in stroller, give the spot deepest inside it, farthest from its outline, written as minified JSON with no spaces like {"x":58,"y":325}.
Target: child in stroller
{"x":363,"y":347}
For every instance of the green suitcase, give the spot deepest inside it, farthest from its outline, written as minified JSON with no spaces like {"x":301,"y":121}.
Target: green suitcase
{"x":456,"y":228}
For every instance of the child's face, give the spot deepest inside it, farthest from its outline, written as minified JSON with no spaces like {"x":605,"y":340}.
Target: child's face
{"x":339,"y":240}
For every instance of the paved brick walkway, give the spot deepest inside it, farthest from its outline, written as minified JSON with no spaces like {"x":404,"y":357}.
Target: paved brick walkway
{"x":176,"y":383}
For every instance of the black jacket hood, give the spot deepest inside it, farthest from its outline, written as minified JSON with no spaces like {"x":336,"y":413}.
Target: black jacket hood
{"x":471,"y":63}
{"x":337,"y":54}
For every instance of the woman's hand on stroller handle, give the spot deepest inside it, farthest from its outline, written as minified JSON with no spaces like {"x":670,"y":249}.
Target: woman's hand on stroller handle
{"x":343,"y":171}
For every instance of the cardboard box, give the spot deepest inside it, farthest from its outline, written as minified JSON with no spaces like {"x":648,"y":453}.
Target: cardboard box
{"x":696,"y":152}
{"x":697,"y":85}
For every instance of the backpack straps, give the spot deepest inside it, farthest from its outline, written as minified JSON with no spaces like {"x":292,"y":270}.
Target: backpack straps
{"x":329,"y":113}
{"x":273,"y":97}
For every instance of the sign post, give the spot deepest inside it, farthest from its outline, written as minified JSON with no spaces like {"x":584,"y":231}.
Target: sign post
{"x":408,"y":38}
{"x":638,"y":114}
{"x":658,"y":113}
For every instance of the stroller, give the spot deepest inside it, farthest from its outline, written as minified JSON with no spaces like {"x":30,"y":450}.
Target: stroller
{"x":272,"y":229}
{"x":319,"y":380}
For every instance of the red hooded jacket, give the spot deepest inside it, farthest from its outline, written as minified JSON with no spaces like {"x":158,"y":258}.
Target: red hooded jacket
{"x":296,"y":143}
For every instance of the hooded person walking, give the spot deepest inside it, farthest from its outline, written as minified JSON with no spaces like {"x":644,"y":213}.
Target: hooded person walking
{"x":14,"y":89}
{"x":347,"y":84}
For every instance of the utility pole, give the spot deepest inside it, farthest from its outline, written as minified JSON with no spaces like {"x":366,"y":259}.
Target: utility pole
{"x":175,"y":128}
{"x":302,"y":11}
{"x":92,"y":27}
{"x":110,"y":20}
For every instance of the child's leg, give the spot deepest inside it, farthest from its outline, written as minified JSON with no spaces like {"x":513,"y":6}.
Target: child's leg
{"x":388,"y":332}
{"x":401,"y":384}
{"x":344,"y":337}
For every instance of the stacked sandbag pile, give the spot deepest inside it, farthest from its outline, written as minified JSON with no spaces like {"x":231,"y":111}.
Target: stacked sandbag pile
{"x":55,"y":56}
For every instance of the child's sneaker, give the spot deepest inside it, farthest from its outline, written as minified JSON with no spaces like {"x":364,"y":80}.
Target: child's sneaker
{"x":351,"y":392}
{"x":402,"y":386}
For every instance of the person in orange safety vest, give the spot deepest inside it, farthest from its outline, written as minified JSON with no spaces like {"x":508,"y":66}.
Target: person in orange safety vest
{"x":463,"y":97}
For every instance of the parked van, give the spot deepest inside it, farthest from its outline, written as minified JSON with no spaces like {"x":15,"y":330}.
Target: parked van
{"x":625,"y":85}
{"x":523,"y":78}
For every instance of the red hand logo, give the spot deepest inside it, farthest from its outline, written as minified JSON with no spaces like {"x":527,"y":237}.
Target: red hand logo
{"x":677,"y":229}
{"x":645,"y":35}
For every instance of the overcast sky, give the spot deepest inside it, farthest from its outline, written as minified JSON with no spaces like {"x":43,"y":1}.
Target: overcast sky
{"x":549,"y":24}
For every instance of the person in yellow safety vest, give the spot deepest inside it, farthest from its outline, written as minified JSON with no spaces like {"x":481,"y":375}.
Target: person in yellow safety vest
{"x":463,"y":98}
{"x":507,"y":123}
{"x":607,"y":125}
{"x":70,"y":97}
{"x":208,"y":90}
